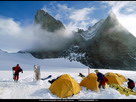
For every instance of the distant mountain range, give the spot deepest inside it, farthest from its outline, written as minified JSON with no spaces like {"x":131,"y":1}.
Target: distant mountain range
{"x":107,"y":44}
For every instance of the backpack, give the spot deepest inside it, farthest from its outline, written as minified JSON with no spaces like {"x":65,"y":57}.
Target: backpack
{"x":105,"y":79}
{"x":13,"y":68}
{"x":20,"y":70}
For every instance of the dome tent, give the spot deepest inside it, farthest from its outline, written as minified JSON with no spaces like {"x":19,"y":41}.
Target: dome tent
{"x":90,"y":82}
{"x":115,"y":78}
{"x":121,"y":77}
{"x":65,"y":86}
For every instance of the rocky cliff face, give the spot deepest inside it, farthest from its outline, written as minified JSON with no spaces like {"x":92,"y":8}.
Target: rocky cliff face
{"x":112,"y":47}
{"x":107,"y":44}
{"x":47,"y":21}
{"x":50,"y":24}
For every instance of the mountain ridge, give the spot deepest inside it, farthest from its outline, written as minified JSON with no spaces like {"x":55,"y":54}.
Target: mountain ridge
{"x":109,"y":45}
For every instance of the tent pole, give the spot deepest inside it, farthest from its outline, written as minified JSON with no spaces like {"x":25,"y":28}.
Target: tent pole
{"x":88,"y":71}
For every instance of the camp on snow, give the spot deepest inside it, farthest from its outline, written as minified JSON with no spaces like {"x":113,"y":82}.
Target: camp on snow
{"x":90,"y":82}
{"x":115,"y":78}
{"x":65,"y":86}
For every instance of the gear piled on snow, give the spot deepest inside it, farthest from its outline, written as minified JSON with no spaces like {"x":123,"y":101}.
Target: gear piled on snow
{"x":123,"y":90}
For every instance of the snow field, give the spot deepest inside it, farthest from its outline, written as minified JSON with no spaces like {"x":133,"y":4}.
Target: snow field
{"x":27,"y":88}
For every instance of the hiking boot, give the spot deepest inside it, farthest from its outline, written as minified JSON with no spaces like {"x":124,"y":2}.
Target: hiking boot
{"x":15,"y":80}
{"x":103,"y":87}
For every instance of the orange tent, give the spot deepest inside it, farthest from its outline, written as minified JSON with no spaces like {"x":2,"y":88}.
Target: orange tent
{"x":90,"y":82}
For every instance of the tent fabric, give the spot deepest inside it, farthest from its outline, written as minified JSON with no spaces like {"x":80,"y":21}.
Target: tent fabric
{"x":121,"y":77}
{"x":115,"y":78}
{"x":65,"y":86}
{"x":90,"y":82}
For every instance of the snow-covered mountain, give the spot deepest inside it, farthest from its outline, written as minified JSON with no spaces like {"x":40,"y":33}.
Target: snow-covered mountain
{"x":107,"y":44}
{"x":92,"y":30}
{"x":111,"y":46}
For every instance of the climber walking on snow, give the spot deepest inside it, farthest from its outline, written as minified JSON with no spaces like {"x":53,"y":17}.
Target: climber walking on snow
{"x":16,"y":71}
{"x":101,"y":79}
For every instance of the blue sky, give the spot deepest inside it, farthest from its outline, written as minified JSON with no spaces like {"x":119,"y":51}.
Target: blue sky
{"x":20,"y":10}
{"x":17,"y":18}
{"x":25,"y":10}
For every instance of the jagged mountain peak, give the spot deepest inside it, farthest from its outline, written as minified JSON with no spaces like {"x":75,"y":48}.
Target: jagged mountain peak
{"x":112,"y":14}
{"x":43,"y":13}
{"x":106,"y":44}
{"x":112,"y":44}
{"x":47,"y":21}
{"x":112,"y":18}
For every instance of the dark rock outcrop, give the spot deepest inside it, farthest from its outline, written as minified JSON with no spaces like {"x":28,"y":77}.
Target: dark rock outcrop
{"x":109,"y":45}
{"x":112,"y":47}
{"x":48,"y":22}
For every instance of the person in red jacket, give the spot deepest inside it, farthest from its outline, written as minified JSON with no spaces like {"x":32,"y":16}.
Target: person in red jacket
{"x":131,"y":83}
{"x":16,"y":70}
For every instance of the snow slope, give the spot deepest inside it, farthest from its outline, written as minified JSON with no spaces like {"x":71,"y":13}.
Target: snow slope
{"x":27,"y":88}
{"x":91,"y":32}
{"x":27,"y":61}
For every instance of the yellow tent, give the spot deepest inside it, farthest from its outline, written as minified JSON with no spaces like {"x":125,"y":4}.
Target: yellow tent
{"x":90,"y":82}
{"x":65,"y":86}
{"x":121,"y":77}
{"x":114,"y":78}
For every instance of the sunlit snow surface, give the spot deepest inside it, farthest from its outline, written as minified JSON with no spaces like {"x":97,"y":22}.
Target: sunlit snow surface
{"x":91,"y":32}
{"x":27,"y":88}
